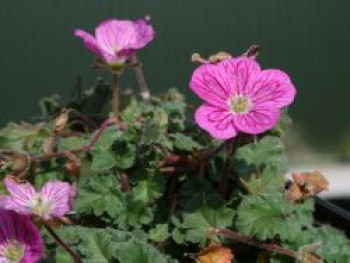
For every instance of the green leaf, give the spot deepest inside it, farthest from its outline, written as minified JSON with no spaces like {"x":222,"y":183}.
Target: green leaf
{"x":69,"y":143}
{"x":196,"y":225}
{"x":269,"y":181}
{"x":124,"y":155}
{"x":335,"y":245}
{"x":256,"y":156}
{"x":134,"y":251}
{"x":184,"y":143}
{"x":159,"y":233}
{"x":134,"y":214}
{"x":23,"y":137}
{"x":147,"y":190}
{"x":109,"y":245}
{"x":269,"y":216}
{"x":93,"y":245}
{"x":103,"y":161}
{"x":103,"y":157}
{"x":152,"y":133}
{"x":101,"y":194}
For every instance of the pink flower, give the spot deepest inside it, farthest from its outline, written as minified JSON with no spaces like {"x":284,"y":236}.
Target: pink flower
{"x":240,"y":97}
{"x":116,"y":41}
{"x":20,"y":240}
{"x":53,"y":201}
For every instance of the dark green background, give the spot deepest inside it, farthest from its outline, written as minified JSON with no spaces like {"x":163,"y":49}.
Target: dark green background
{"x":307,"y":38}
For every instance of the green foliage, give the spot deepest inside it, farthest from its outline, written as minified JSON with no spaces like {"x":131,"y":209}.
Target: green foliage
{"x":269,"y":216}
{"x":23,"y":137}
{"x":108,"y":245}
{"x":149,"y":186}
{"x":195,"y":226}
{"x":160,"y":233}
{"x":185,"y":143}
{"x":265,"y":153}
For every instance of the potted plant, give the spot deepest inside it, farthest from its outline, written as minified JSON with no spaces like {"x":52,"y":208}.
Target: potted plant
{"x":112,"y":176}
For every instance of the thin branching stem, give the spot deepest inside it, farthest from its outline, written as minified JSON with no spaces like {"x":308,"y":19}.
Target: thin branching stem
{"x":59,"y":241}
{"x":115,"y":98}
{"x":85,"y":148}
{"x":253,"y":242}
{"x":231,"y":147}
{"x":140,"y":77}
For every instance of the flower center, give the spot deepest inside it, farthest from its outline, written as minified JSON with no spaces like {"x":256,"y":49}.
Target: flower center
{"x":40,"y":205}
{"x":14,"y":252}
{"x":240,"y":104}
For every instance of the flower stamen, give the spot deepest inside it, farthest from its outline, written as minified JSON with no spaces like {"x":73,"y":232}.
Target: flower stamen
{"x":41,"y":205}
{"x":14,"y":252}
{"x":240,"y":104}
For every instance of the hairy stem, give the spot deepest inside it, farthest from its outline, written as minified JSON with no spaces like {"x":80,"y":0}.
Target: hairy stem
{"x":231,"y":147}
{"x":140,"y":77}
{"x":253,"y":242}
{"x":85,"y":148}
{"x":59,"y":241}
{"x":115,"y":98}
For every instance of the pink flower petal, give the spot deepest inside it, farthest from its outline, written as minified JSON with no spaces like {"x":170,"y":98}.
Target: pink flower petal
{"x":59,"y":194}
{"x":116,"y":35}
{"x":241,"y":72}
{"x":21,"y":194}
{"x":272,"y":87}
{"x":218,"y":122}
{"x":258,"y":120}
{"x":16,"y":227}
{"x":6,"y":202}
{"x":89,"y":41}
{"x":211,"y":83}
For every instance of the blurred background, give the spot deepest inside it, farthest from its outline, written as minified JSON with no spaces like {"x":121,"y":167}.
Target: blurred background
{"x":310,"y":40}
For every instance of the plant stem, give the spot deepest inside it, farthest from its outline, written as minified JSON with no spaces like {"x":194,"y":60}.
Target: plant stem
{"x":85,"y":148}
{"x":172,"y":198}
{"x":231,"y":147}
{"x":115,"y":95}
{"x":253,"y":242}
{"x":140,"y":77}
{"x":59,"y":241}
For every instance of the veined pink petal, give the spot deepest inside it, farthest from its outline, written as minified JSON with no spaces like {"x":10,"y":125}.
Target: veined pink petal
{"x":241,"y":72}
{"x":144,"y":32}
{"x":21,"y":194}
{"x":58,"y":193}
{"x":114,"y":35}
{"x":211,"y":83}
{"x":19,"y":228}
{"x":89,"y":41}
{"x":258,"y":120}
{"x":6,"y":202}
{"x":272,"y":87}
{"x":117,"y":40}
{"x":218,"y":122}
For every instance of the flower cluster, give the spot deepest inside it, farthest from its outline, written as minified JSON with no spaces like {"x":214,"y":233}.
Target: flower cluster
{"x":20,"y":240}
{"x":240,"y":97}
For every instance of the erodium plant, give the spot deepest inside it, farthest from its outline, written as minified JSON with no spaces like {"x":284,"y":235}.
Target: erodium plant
{"x":111,"y":176}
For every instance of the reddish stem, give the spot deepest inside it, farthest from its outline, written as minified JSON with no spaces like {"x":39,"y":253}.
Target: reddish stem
{"x":59,"y":241}
{"x":85,"y":148}
{"x":140,"y":77}
{"x":253,"y":242}
{"x":115,"y":95}
{"x":231,"y":147}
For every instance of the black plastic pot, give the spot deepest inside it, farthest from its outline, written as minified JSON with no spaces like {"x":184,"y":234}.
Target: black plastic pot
{"x":328,"y":212}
